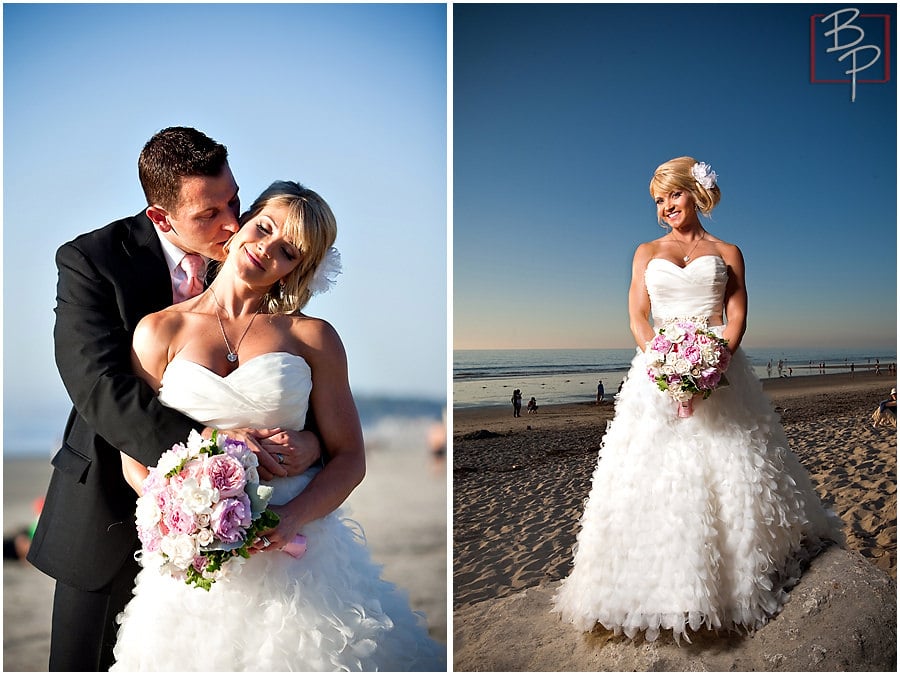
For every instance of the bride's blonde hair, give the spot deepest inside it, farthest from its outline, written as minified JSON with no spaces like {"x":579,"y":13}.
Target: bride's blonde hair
{"x":676,"y":175}
{"x":311,"y":227}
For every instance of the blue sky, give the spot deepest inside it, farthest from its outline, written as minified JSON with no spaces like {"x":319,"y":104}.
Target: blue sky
{"x":349,"y":99}
{"x":560,"y":116}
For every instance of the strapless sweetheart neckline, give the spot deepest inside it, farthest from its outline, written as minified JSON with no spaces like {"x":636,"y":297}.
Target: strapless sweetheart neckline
{"x":684,"y":267}
{"x":245,"y":364}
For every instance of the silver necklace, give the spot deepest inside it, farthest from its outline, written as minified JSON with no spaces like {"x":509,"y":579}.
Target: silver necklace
{"x":232,"y":353}
{"x":687,"y":256}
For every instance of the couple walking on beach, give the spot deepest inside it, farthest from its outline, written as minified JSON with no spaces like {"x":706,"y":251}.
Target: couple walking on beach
{"x":235,"y":354}
{"x":695,"y":448}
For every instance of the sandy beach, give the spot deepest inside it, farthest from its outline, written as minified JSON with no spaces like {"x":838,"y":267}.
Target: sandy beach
{"x":519,"y":483}
{"x":402,"y":506}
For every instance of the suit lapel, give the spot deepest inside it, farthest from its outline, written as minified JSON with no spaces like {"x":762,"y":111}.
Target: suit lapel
{"x":147,"y":267}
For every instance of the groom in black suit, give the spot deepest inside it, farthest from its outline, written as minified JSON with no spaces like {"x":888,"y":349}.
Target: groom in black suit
{"x":108,"y":280}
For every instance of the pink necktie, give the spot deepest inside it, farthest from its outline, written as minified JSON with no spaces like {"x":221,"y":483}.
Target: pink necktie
{"x":192,"y":285}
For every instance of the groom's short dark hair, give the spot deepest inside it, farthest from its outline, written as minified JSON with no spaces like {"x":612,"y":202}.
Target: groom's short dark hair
{"x":172,"y":154}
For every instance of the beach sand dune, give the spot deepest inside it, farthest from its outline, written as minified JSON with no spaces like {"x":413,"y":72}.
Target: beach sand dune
{"x":519,"y":483}
{"x":402,"y":506}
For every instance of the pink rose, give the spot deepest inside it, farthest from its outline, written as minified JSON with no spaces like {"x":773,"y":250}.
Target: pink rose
{"x":226,"y":474}
{"x":150,"y":538}
{"x":709,"y":378}
{"x":154,"y":481}
{"x":724,"y":358}
{"x":178,"y":520}
{"x":230,"y":518}
{"x":692,"y":353}
{"x":660,"y":344}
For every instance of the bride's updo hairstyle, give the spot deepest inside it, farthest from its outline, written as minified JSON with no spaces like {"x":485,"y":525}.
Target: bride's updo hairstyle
{"x":311,"y":227}
{"x":676,"y":174}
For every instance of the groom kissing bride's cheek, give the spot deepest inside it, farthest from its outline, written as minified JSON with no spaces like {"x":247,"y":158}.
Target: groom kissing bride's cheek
{"x":232,"y":361}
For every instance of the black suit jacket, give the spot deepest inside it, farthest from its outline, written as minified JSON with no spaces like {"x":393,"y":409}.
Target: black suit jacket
{"x":108,"y":280}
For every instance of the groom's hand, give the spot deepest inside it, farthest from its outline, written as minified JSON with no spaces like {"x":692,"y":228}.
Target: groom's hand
{"x":290,"y":450}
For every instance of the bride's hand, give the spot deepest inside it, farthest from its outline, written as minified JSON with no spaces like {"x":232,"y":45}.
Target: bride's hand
{"x":280,"y":535}
{"x":296,"y":451}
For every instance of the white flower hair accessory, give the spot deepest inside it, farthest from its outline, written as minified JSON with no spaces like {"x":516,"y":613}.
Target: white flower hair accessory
{"x":703,"y":174}
{"x":327,"y":272}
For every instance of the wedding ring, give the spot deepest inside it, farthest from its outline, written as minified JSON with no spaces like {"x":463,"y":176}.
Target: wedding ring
{"x":266,"y":542}
{"x":280,"y":457}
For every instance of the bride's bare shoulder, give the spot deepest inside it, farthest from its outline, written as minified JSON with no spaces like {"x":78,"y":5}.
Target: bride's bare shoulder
{"x":314,"y":332}
{"x":646,"y":251}
{"x":730,"y":253}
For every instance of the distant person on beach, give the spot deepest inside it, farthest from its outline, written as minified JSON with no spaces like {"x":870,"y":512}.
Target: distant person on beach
{"x":517,"y":403}
{"x":17,"y":545}
{"x":108,"y":280}
{"x":699,"y":515}
{"x":283,"y":609}
{"x":886,"y":413}
{"x":600,"y":392}
{"x":532,"y":405}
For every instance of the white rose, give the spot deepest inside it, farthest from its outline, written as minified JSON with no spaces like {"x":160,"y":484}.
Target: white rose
{"x":147,"y":512}
{"x":196,"y":444}
{"x":675,"y":333}
{"x":170,"y":460}
{"x":205,"y":536}
{"x":682,"y":366}
{"x":180,"y":549}
{"x":197,"y":498}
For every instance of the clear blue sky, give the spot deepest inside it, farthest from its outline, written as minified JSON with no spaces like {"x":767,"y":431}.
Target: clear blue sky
{"x":349,"y":99}
{"x":560,"y":116}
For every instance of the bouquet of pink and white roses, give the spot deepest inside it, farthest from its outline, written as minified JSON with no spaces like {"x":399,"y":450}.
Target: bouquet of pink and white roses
{"x":202,"y":505}
{"x":686,"y":358}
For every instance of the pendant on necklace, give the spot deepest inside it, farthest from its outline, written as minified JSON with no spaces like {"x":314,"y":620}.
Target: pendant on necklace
{"x":232,"y":357}
{"x":686,"y":258}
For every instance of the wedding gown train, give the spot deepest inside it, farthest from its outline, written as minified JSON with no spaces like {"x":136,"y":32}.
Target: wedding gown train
{"x":692,"y":522}
{"x":326,"y":611}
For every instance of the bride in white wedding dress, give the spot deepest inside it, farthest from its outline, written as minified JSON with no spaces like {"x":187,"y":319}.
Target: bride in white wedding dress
{"x":328,"y":610}
{"x":703,"y":521}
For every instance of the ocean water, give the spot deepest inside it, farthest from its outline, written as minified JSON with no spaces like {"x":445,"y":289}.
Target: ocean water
{"x":483,"y":377}
{"x":35,"y":428}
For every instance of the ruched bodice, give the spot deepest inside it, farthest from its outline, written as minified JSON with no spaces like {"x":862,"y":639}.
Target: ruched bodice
{"x":270,"y":390}
{"x":696,"y":290}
